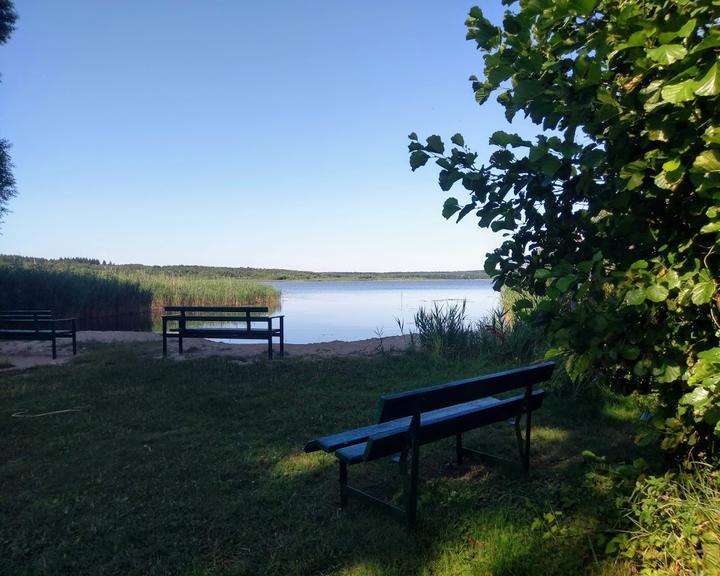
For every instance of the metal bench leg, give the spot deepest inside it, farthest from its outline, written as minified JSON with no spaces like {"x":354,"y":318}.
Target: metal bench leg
{"x":411,"y":488}
{"x":270,"y":348}
{"x":74,"y":343}
{"x":343,"y":484}
{"x":523,"y":442}
{"x":459,"y":448}
{"x":164,"y":324}
{"x":54,"y":345}
{"x":526,"y":463}
{"x":180,"y":346}
{"x":282,"y":339}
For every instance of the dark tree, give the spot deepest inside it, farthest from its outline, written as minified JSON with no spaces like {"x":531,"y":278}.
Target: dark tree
{"x":7,"y":181}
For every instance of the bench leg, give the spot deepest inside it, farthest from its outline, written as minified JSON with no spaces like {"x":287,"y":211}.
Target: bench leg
{"x":343,"y":484}
{"x":282,"y":344}
{"x":410,"y":481}
{"x":180,"y":346}
{"x":459,"y":449}
{"x":74,"y":344}
{"x":526,"y":462}
{"x":523,"y":443}
{"x":54,"y":348}
{"x":270,"y":348}
{"x":164,"y":345}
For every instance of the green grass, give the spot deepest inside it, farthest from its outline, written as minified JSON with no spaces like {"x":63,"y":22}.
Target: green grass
{"x":197,"y":468}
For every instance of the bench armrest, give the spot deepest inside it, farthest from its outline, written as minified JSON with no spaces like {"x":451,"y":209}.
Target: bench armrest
{"x":280,"y":316}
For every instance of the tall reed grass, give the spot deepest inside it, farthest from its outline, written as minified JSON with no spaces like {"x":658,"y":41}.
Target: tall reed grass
{"x":117,"y":298}
{"x":444,"y":329}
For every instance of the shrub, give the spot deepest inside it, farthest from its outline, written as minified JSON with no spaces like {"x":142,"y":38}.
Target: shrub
{"x":675,"y":523}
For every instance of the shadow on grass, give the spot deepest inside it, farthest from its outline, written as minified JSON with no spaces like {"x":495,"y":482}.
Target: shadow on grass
{"x":197,"y":468}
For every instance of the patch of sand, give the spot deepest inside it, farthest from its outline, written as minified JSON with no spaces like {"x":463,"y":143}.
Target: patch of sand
{"x":23,"y":354}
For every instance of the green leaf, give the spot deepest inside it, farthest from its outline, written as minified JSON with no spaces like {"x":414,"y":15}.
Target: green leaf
{"x":635,"y":297}
{"x":565,"y":282}
{"x":671,"y":165}
{"x":656,"y":293}
{"x":709,"y":85}
{"x":435,"y":144}
{"x":708,"y":161}
{"x":696,"y":397}
{"x":447,"y":178}
{"x":583,"y":7}
{"x":458,"y":140}
{"x":542,"y":273}
{"x":712,"y":355}
{"x":504,"y":139}
{"x":667,"y":54}
{"x":412,"y":136}
{"x":417,"y":159}
{"x":450,"y":207}
{"x":481,"y":30}
{"x":687,"y":28}
{"x":703,"y":292}
{"x":710,"y":228}
{"x":680,"y":92}
{"x":712,"y":135}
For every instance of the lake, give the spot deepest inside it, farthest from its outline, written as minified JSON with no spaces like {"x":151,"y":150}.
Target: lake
{"x":356,"y":310}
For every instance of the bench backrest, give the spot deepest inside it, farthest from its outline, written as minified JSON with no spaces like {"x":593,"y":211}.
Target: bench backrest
{"x":26,"y":313}
{"x":392,"y":406}
{"x":206,"y":309}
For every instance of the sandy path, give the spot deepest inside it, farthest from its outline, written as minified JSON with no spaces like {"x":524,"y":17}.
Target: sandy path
{"x":21,"y":355}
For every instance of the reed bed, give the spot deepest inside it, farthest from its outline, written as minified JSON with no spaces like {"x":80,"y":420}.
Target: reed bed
{"x":112,"y":298}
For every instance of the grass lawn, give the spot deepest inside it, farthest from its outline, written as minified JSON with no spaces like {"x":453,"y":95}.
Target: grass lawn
{"x":196,"y":468}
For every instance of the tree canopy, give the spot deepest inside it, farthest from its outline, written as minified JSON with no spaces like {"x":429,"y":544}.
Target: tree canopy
{"x":7,"y":181}
{"x":612,"y":213}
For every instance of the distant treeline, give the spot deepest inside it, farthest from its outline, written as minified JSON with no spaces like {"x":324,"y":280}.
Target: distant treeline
{"x":94,"y":266}
{"x":118,"y":297}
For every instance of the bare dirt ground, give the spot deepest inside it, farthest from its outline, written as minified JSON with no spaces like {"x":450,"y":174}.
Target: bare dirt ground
{"x":21,"y":355}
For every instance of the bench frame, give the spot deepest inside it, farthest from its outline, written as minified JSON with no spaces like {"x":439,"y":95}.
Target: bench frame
{"x":181,"y":315}
{"x":37,"y":325}
{"x":410,"y":419}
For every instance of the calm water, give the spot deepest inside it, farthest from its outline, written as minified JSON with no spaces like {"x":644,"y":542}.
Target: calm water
{"x":323,"y":311}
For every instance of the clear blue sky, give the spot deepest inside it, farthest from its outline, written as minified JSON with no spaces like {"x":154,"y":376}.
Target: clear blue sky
{"x":224,"y":132}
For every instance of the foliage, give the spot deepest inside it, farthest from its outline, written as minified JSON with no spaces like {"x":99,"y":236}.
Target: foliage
{"x":443,"y":329}
{"x":7,"y":181}
{"x":674,"y":523}
{"x":196,"y":467}
{"x":612,"y":212}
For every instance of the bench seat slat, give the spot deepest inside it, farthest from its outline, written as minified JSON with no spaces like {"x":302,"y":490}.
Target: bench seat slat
{"x":462,"y":421}
{"x":434,"y":427}
{"x":335,"y":441}
{"x":223,"y":333}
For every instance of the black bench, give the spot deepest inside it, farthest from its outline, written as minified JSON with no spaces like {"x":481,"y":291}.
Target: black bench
{"x":224,"y":322}
{"x":37,"y":325}
{"x":410,"y":419}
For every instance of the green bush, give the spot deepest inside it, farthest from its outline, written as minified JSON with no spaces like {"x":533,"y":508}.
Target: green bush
{"x":674,"y":523}
{"x":612,"y":211}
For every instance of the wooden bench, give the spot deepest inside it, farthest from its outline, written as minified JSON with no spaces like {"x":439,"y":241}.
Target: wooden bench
{"x":224,"y":322}
{"x":410,"y":419}
{"x":37,"y":325}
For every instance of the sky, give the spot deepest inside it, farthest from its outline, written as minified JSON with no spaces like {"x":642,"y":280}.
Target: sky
{"x":240,"y":133}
